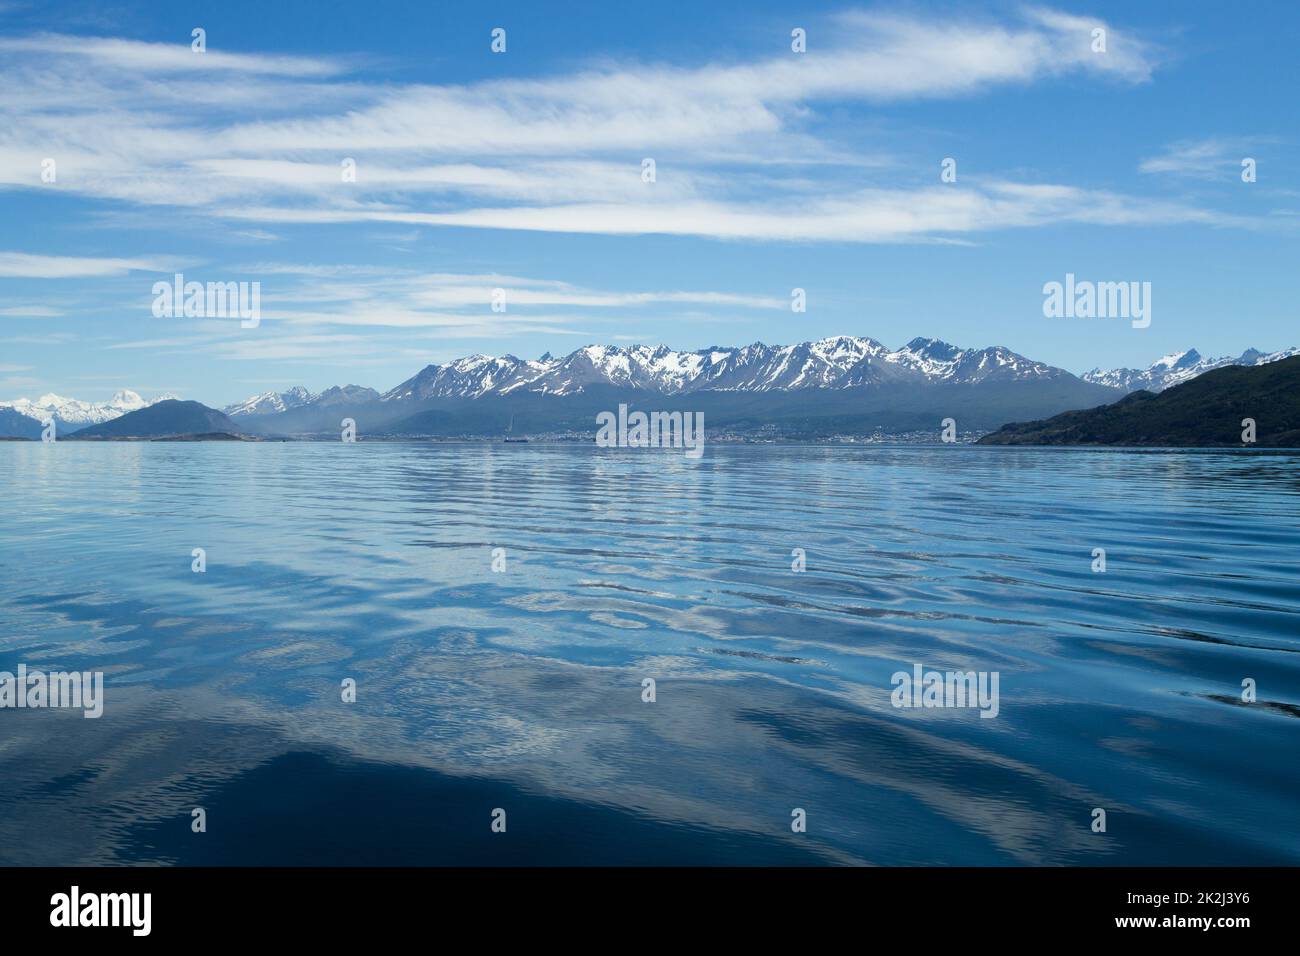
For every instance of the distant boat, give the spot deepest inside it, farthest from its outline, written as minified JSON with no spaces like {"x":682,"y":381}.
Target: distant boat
{"x":509,"y":429}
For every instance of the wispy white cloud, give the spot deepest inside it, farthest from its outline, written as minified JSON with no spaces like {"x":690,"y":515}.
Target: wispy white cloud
{"x":166,"y":58}
{"x":866,"y":215}
{"x":1210,"y":158}
{"x":414,"y":289}
{"x":14,"y":383}
{"x":560,"y":153}
{"x":30,"y":311}
{"x":320,"y":312}
{"x":30,"y":266}
{"x":259,"y":235}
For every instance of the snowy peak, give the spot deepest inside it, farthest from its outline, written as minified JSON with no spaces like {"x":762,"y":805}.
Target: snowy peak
{"x":128,"y":401}
{"x":938,"y":361}
{"x":845,"y":349}
{"x":269,"y":403}
{"x":932,"y":349}
{"x":1179,"y":360}
{"x":467,"y":377}
{"x":843,"y":361}
{"x":345,"y":395}
{"x":1178,"y":368}
{"x":71,"y":411}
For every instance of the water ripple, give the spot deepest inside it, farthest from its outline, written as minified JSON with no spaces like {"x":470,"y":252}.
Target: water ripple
{"x":374,"y":562}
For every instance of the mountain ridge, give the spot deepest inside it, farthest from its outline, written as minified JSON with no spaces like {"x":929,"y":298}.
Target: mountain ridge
{"x":269,"y":403}
{"x":1179,"y":367}
{"x":842,"y":361}
{"x":78,"y":414}
{"x":851,"y":382}
{"x":166,"y":419}
{"x":1206,"y":412}
{"x":855,"y":382}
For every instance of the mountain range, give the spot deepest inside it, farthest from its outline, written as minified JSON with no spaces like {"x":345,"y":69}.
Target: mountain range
{"x":834,"y":386}
{"x":70,"y":414}
{"x":268,"y":403}
{"x":1178,"y":368}
{"x":841,"y":362}
{"x":845,"y":384}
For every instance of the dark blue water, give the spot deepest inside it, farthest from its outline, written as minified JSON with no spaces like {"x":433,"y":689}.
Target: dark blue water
{"x":522,"y":689}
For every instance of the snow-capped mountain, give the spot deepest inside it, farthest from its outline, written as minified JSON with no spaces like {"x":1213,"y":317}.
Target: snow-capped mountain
{"x":1178,"y":368}
{"x":843,"y":385}
{"x":840,"y":362}
{"x":71,"y":411}
{"x":270,"y":402}
{"x":346,"y":395}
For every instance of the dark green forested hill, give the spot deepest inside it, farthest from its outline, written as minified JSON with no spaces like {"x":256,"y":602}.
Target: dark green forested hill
{"x":1204,"y":412}
{"x":162,"y":419}
{"x":14,"y":424}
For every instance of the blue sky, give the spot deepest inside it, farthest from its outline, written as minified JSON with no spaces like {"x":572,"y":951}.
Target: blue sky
{"x":522,"y":171}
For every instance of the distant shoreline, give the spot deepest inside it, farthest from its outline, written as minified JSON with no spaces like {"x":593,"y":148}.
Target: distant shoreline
{"x":729,"y":443}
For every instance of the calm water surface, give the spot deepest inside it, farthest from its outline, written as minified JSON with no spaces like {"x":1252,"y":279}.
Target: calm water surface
{"x":522,"y":690}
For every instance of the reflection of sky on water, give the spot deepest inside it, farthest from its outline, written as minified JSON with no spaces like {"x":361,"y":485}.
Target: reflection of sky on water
{"x":373,"y":562}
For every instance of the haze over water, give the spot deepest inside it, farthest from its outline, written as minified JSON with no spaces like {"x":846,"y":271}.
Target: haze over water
{"x":522,"y":690}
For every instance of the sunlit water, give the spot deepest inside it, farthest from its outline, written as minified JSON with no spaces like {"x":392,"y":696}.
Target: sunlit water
{"x":522,"y":690}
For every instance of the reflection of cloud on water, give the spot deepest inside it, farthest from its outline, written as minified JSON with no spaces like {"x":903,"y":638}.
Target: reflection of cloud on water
{"x":772,"y":687}
{"x":721,"y":754}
